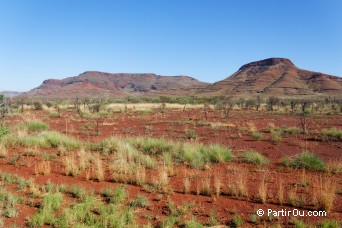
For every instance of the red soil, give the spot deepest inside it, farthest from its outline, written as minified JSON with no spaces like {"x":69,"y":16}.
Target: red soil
{"x":173,"y":124}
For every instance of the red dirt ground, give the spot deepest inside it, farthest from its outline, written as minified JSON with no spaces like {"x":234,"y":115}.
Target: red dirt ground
{"x":233,"y":132}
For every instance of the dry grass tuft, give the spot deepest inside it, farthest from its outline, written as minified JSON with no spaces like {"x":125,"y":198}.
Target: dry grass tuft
{"x":187,"y":185}
{"x":241,"y":183}
{"x":205,"y":186}
{"x":281,"y":192}
{"x":262,"y":196}
{"x":71,"y":165}
{"x":42,"y":168}
{"x":217,"y":185}
{"x":334,"y":167}
{"x":99,"y":171}
{"x":325,"y":194}
{"x":3,"y":151}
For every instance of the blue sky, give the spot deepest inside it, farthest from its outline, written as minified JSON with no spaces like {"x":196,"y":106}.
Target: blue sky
{"x":206,"y":39}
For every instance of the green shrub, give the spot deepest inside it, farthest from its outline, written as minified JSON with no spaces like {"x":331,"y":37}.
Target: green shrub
{"x":54,"y":114}
{"x":77,"y":192}
{"x":107,"y":192}
{"x":51,"y":203}
{"x":306,"y":161}
{"x":193,"y":224}
{"x":119,"y":195}
{"x":256,"y":135}
{"x":37,"y":105}
{"x":330,"y":224}
{"x":198,"y":155}
{"x":332,"y":132}
{"x":276,"y":136}
{"x":291,"y":130}
{"x":217,"y":154}
{"x":152,"y":146}
{"x":56,"y":139}
{"x":140,"y":201}
{"x":191,"y":134}
{"x":48,"y":156}
{"x":236,"y":221}
{"x":82,"y":214}
{"x":3,"y":130}
{"x":255,"y":157}
{"x":299,"y":223}
{"x":61,"y":188}
{"x":35,"y":126}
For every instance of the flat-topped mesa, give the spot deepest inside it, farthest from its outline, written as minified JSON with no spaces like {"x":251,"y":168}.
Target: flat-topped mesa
{"x":268,"y":62}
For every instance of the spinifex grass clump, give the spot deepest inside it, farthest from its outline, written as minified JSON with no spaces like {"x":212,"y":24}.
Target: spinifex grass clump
{"x":3,"y":151}
{"x":255,"y":157}
{"x":333,"y":132}
{"x":306,"y":161}
{"x":256,"y":135}
{"x":143,"y":150}
{"x":3,"y":130}
{"x":44,"y":139}
{"x":198,"y":155}
{"x":90,"y":212}
{"x":34,"y":126}
{"x":45,"y":215}
{"x":152,"y":146}
{"x":140,"y":201}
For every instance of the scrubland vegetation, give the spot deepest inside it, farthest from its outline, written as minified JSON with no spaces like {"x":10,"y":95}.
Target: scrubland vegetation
{"x":202,"y":162}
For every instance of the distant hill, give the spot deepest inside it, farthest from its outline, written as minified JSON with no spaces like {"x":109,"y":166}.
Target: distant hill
{"x":10,"y":93}
{"x":100,"y":84}
{"x":275,"y":76}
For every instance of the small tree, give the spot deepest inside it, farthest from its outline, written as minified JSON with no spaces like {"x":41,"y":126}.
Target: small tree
{"x":258,"y":102}
{"x":206,"y":108}
{"x":304,"y":116}
{"x":250,"y":103}
{"x":38,"y":105}
{"x":271,"y":102}
{"x":241,"y":102}
{"x":293,"y":104}
{"x":77,"y":107}
{"x":3,"y":106}
{"x":226,"y":106}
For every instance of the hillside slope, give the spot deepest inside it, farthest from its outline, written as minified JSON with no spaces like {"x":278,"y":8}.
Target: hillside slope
{"x":275,"y":76}
{"x":100,"y":84}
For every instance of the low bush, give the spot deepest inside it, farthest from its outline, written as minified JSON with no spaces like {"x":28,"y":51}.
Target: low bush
{"x":77,"y":192}
{"x":256,"y":135}
{"x":140,"y":201}
{"x":291,"y":130}
{"x":306,"y":161}
{"x":3,"y":151}
{"x":3,"y":130}
{"x":236,"y":221}
{"x":54,"y":114}
{"x":198,"y":155}
{"x":332,"y":132}
{"x":255,"y":157}
{"x":51,"y":203}
{"x":330,"y":224}
{"x":276,"y":136}
{"x":152,"y":146}
{"x":34,"y":126}
{"x":191,"y":134}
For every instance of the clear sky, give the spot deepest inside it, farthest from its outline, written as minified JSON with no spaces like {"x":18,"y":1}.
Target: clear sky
{"x":206,"y":39}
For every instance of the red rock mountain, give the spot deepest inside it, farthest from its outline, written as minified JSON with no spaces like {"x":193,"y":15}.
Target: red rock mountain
{"x":273,"y":76}
{"x":100,"y":84}
{"x":276,"y":76}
